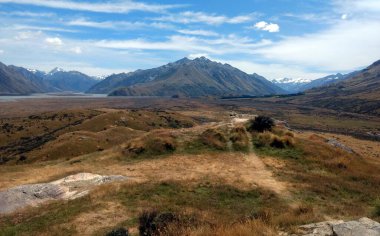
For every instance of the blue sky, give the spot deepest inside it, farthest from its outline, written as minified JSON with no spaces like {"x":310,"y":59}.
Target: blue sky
{"x":281,"y":38}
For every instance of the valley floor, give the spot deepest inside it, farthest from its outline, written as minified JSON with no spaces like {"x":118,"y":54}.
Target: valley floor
{"x":193,"y":159}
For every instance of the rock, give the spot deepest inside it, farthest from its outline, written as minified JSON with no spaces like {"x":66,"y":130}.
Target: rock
{"x":354,"y":228}
{"x":361,"y":227}
{"x":335,"y":143}
{"x":369,"y":223}
{"x":70,"y":187}
{"x":319,"y":229}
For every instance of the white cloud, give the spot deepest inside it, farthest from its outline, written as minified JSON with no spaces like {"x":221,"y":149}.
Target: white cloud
{"x":117,"y":25}
{"x":76,"y":50}
{"x":219,"y":46}
{"x":272,"y":70}
{"x":344,"y":17}
{"x":345,"y":46}
{"x":355,"y":6}
{"x":270,"y":27}
{"x":193,"y":56}
{"x":1,"y":51}
{"x":28,"y":14}
{"x":23,"y":35}
{"x":122,"y":6}
{"x":188,"y":17}
{"x":54,"y":41}
{"x":198,"y":32}
{"x":38,"y":28}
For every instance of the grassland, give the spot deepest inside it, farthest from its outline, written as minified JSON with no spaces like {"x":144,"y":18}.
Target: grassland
{"x":195,"y":161}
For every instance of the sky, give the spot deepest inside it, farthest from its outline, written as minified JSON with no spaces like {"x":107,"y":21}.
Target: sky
{"x":305,"y":39}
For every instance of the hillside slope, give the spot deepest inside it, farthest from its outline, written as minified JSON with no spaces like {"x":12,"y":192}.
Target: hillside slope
{"x":189,"y":78}
{"x":12,"y":81}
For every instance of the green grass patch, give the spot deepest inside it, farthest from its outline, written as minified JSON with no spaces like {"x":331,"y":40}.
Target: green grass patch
{"x":289,"y":153}
{"x":219,"y":200}
{"x":46,"y":218}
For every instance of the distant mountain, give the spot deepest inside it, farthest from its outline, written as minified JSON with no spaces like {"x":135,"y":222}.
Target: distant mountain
{"x":13,"y":81}
{"x":358,"y":93}
{"x":291,"y":85}
{"x":19,"y":80}
{"x":73,"y":81}
{"x":37,"y":77}
{"x":297,"y":85}
{"x":189,"y":78}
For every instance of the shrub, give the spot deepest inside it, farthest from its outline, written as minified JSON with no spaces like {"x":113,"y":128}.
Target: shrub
{"x":118,"y":232}
{"x":271,"y":140}
{"x":277,"y":142}
{"x":155,"y":223}
{"x":214,"y":139}
{"x":261,"y":124}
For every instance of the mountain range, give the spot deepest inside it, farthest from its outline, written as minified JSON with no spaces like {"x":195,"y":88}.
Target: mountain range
{"x":297,"y":85}
{"x":358,"y":93}
{"x":189,"y":78}
{"x":16,"y":80}
{"x":355,"y":92}
{"x":13,"y":81}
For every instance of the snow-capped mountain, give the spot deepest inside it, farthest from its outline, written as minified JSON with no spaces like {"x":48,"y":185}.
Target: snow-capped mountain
{"x":290,"y":84}
{"x":300,"y":85}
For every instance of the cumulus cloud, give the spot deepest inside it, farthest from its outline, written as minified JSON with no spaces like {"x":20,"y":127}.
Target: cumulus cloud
{"x":54,"y":41}
{"x":270,"y":27}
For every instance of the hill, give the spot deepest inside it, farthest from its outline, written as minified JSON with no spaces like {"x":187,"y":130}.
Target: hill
{"x":359,"y":93}
{"x":13,"y":81}
{"x":189,"y":78}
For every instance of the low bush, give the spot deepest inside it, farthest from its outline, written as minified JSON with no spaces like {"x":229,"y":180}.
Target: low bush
{"x":157,"y":223}
{"x":214,"y":139}
{"x":118,"y":232}
{"x":260,"y":124}
{"x":155,"y":144}
{"x":268,"y":139}
{"x":239,"y":138}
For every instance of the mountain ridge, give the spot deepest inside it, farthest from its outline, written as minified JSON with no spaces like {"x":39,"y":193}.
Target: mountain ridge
{"x":190,"y":78}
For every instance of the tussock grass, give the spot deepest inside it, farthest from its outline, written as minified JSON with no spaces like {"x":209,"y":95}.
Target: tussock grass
{"x":153,"y":144}
{"x":214,"y":139}
{"x":239,"y":138}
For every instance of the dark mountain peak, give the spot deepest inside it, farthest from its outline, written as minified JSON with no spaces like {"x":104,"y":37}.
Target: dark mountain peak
{"x":183,"y":61}
{"x":192,"y":78}
{"x":375,"y":64}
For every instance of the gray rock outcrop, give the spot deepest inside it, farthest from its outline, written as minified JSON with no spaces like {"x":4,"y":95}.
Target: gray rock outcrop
{"x":361,"y":227}
{"x":70,"y":187}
